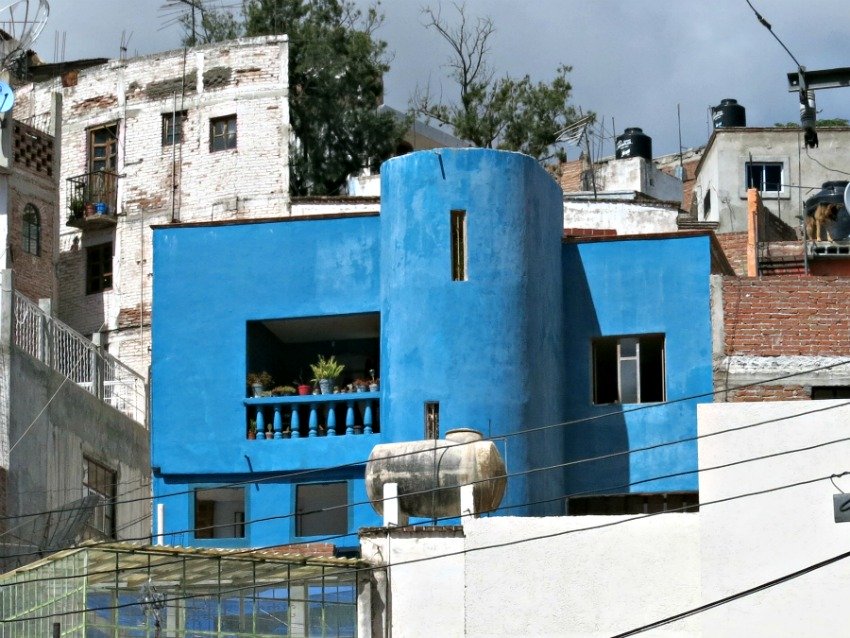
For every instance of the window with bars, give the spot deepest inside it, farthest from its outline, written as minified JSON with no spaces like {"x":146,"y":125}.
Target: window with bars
{"x":432,"y":420}
{"x":31,"y":230}
{"x":103,"y":148}
{"x":459,"y":247}
{"x":628,"y":369}
{"x":222,"y":133}
{"x":172,"y":127}
{"x":98,"y":268}
{"x":101,"y":481}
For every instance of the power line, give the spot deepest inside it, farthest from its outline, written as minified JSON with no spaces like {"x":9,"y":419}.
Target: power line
{"x":541,"y":469}
{"x":423,"y":559}
{"x":736,"y":596}
{"x":767,"y":26}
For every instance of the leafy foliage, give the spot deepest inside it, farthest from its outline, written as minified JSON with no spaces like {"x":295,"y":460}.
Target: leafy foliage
{"x":824,"y":123}
{"x":336,"y":68}
{"x":508,"y":113}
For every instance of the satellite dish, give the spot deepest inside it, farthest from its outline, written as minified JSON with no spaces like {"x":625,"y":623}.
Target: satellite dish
{"x":7,"y":98}
{"x":847,"y":196}
{"x":21,"y":22}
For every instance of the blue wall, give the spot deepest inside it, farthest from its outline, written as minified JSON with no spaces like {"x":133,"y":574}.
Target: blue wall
{"x":630,"y":287}
{"x":488,"y":348}
{"x":505,"y":351}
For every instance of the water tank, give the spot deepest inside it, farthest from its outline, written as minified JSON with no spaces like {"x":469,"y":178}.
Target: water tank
{"x":634,"y":143}
{"x":429,"y":474}
{"x":728,"y":114}
{"x":830,"y":193}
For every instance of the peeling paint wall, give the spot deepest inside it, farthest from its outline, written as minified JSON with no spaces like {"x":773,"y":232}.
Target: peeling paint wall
{"x":627,"y":218}
{"x":159,"y":182}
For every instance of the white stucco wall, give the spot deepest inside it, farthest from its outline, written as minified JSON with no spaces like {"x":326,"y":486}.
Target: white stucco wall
{"x":627,"y":218}
{"x":721,"y":173}
{"x":636,"y":174}
{"x":752,"y":540}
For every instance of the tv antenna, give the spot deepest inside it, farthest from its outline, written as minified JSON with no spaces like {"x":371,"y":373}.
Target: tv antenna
{"x":21,"y":22}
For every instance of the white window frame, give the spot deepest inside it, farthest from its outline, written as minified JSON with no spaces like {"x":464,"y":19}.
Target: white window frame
{"x":784,"y":191}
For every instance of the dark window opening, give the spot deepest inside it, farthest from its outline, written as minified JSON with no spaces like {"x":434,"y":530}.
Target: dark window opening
{"x":31,"y":230}
{"x":220,"y":512}
{"x":706,"y":205}
{"x":640,"y":503}
{"x":459,"y":248}
{"x":321,"y":509}
{"x":223,"y":133}
{"x":628,"y":369}
{"x":101,"y":481}
{"x":831,"y":392}
{"x":764,"y":176}
{"x":172,"y":127}
{"x":432,"y":420}
{"x":103,"y":148}
{"x":98,"y":268}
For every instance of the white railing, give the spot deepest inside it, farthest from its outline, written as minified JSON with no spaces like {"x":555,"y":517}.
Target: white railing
{"x":81,"y":361}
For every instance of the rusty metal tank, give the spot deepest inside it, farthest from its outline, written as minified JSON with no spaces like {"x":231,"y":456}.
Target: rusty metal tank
{"x":429,"y":474}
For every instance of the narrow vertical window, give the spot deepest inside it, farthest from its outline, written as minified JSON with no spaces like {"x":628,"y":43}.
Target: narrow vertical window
{"x":458,"y":222}
{"x":31,"y":230}
{"x":432,"y":420}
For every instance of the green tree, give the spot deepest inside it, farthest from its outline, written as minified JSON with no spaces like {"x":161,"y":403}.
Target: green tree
{"x":495,"y":112}
{"x":336,"y":68}
{"x":825,"y":123}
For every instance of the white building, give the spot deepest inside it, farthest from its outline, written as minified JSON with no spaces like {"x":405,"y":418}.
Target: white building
{"x":766,"y":511}
{"x":199,"y":134}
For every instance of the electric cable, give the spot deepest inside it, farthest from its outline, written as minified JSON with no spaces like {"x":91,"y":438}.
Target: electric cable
{"x":346,"y":506}
{"x":736,"y":596}
{"x":822,"y":165}
{"x":767,"y":26}
{"x":355,"y":464}
{"x":467,"y":550}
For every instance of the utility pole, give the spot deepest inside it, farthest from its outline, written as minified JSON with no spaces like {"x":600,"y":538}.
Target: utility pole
{"x":805,"y":82}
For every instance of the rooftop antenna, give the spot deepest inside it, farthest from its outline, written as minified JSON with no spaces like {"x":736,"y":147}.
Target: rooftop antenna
{"x":573,"y":134}
{"x":125,"y":43}
{"x":21,"y":22}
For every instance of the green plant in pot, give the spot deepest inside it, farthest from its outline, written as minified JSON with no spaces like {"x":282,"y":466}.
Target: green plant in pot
{"x":325,"y":372}
{"x":259,"y":381}
{"x":283,"y":391}
{"x":77,"y":204}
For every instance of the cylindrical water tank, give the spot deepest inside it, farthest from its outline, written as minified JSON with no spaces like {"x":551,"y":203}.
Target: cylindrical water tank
{"x":830,"y":193}
{"x":429,"y":474}
{"x":728,"y":114}
{"x":633,"y":143}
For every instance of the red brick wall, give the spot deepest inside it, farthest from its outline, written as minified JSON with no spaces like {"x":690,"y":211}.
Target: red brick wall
{"x":735,"y":247}
{"x":768,"y":393}
{"x":787,"y":316}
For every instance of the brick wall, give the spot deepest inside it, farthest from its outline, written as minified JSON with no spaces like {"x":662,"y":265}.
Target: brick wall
{"x":735,"y":247}
{"x":247,"y":78}
{"x":769,"y":393}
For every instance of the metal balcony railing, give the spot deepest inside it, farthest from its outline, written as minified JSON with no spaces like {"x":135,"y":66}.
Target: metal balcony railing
{"x":92,"y":199}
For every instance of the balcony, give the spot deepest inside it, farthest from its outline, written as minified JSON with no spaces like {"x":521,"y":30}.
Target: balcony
{"x":316,"y":415}
{"x":92,"y":200}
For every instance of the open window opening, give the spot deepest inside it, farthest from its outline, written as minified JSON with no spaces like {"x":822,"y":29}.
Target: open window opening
{"x":220,"y":512}
{"x":321,"y":509}
{"x":459,"y":247}
{"x":638,"y":503}
{"x":628,"y":369}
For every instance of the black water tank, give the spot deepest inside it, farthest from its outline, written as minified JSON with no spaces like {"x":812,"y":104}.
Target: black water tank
{"x":829,"y":193}
{"x":633,"y":143}
{"x":728,"y":114}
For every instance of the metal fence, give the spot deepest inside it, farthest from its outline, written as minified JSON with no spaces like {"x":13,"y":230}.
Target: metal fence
{"x":81,"y":361}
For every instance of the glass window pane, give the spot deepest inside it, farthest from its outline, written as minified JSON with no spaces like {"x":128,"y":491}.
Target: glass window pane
{"x":628,"y":347}
{"x":628,"y":381}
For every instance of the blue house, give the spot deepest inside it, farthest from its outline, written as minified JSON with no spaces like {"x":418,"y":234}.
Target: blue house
{"x":464,"y":300}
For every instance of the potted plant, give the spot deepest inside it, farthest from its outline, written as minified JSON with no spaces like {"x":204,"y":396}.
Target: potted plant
{"x":303,"y":388}
{"x":283,"y":391}
{"x":252,"y":429}
{"x":259,"y":381}
{"x":77,"y":205}
{"x":361,"y":385}
{"x":373,"y":384}
{"x":325,"y":372}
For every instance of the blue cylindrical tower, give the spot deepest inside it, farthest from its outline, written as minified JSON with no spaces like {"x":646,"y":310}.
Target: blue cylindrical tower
{"x":472,"y":308}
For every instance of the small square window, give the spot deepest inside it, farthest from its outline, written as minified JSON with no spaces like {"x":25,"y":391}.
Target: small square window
{"x":222,"y":133}
{"x":764,"y":176}
{"x":220,"y":512}
{"x":628,"y":369}
{"x":321,"y":509}
{"x":172,"y":127}
{"x":98,"y":268}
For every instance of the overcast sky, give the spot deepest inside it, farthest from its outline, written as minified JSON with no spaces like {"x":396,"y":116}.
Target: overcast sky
{"x":633,"y":60}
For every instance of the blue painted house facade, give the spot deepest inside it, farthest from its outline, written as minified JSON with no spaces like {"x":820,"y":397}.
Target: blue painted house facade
{"x":465,"y":302}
